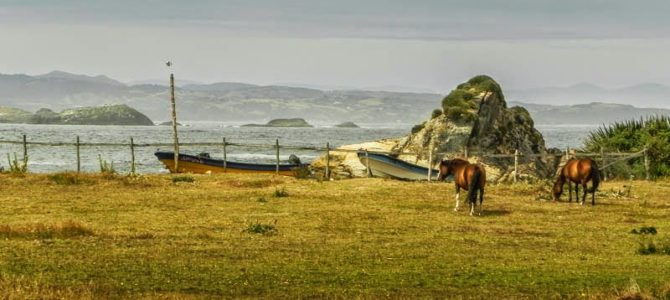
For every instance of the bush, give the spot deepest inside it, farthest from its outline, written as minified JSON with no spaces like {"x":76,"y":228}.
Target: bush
{"x":17,"y":166}
{"x":67,"y":178}
{"x":280,"y":193}
{"x":436,"y":113}
{"x":105,"y":167}
{"x":182,"y":178}
{"x":264,"y":229}
{"x":652,"y":133}
{"x":418,"y":127}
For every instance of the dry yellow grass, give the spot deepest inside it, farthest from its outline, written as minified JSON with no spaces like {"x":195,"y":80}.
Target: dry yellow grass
{"x":148,"y":237}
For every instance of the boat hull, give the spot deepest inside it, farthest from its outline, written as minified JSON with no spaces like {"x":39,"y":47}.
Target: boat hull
{"x":205,"y":165}
{"x":382,"y":165}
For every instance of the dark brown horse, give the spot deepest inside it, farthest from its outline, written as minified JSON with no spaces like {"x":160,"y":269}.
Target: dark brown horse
{"x":579,"y":171}
{"x":467,"y":176}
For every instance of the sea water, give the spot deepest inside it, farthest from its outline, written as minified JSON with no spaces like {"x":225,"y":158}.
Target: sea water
{"x":44,"y":159}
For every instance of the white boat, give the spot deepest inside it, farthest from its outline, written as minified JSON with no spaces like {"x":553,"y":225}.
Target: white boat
{"x":382,"y":165}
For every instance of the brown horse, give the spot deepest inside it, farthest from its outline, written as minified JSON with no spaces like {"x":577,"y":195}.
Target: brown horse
{"x":467,"y":176}
{"x":579,"y":171}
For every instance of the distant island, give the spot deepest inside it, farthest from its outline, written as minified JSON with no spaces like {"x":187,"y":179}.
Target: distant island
{"x":169,"y":123}
{"x":120,"y":114}
{"x":295,"y":122}
{"x":347,"y":125}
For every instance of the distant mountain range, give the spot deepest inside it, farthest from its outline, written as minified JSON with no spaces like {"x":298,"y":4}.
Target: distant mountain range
{"x":591,"y":113}
{"x":249,"y":103}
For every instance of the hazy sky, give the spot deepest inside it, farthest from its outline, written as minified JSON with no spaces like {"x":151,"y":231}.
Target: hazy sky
{"x":421,"y":44}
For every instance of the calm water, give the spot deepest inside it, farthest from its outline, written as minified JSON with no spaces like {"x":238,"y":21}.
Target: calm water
{"x":61,"y":158}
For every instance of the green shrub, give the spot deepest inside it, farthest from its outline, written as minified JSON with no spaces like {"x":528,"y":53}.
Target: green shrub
{"x":67,"y":178}
{"x":17,"y":166}
{"x":418,"y":127}
{"x":105,"y":167}
{"x":280,"y":193}
{"x":264,"y":229}
{"x":436,"y":113}
{"x":182,"y":178}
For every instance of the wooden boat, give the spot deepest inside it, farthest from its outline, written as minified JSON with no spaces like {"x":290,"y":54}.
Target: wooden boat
{"x":204,"y":164}
{"x":383,"y":165}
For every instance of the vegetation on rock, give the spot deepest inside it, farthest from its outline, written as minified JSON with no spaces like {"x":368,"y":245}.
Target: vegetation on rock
{"x":461,"y":104}
{"x":652,"y":133}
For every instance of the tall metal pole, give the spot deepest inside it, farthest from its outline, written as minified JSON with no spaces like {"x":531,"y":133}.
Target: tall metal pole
{"x":174,"y":124}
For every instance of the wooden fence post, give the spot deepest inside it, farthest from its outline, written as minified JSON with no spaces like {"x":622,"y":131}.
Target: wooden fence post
{"x":646,"y":164}
{"x":604,"y":158}
{"x":25,"y":148}
{"x":78,"y":156}
{"x":327,"y":175}
{"x":277,"y":147}
{"x":516,"y":165}
{"x":367,"y":164}
{"x":132,"y":156}
{"x":465,"y":152}
{"x":225,"y":156}
{"x":430,"y":162}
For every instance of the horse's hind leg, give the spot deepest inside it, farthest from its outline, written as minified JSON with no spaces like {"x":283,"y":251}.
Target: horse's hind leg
{"x":481,"y":201}
{"x":458,"y":195}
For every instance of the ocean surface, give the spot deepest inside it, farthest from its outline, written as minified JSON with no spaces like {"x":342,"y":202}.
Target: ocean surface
{"x":44,"y":159}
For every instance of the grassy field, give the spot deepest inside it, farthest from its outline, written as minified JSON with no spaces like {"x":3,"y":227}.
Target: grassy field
{"x":251,"y":236}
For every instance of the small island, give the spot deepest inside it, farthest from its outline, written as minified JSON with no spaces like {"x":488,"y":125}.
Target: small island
{"x":347,"y":125}
{"x":295,"y":122}
{"x":169,"y":123}
{"x":120,"y":114}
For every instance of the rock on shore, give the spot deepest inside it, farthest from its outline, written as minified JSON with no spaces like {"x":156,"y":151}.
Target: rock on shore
{"x":474,"y":116}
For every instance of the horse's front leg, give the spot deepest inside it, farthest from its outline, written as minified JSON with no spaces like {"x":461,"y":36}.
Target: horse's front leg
{"x":585,"y":191}
{"x":458,"y":196}
{"x":576,"y":192}
{"x":569,"y":191}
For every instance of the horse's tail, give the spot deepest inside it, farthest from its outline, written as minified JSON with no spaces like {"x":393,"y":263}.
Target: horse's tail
{"x":475,"y":182}
{"x":595,"y":178}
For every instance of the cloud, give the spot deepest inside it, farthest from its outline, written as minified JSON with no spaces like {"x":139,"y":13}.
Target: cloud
{"x":396,"y":19}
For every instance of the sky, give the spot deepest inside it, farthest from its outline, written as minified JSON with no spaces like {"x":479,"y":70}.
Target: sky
{"x":421,"y":45}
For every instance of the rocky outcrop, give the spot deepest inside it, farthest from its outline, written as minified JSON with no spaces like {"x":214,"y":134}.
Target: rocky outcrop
{"x":295,"y":122}
{"x":100,"y":115}
{"x":476,"y":122}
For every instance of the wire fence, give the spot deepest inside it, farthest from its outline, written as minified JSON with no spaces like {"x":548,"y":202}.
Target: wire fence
{"x":607,"y":159}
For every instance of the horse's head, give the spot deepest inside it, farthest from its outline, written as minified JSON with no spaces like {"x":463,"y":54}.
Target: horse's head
{"x":445,"y":169}
{"x":557,"y":191}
